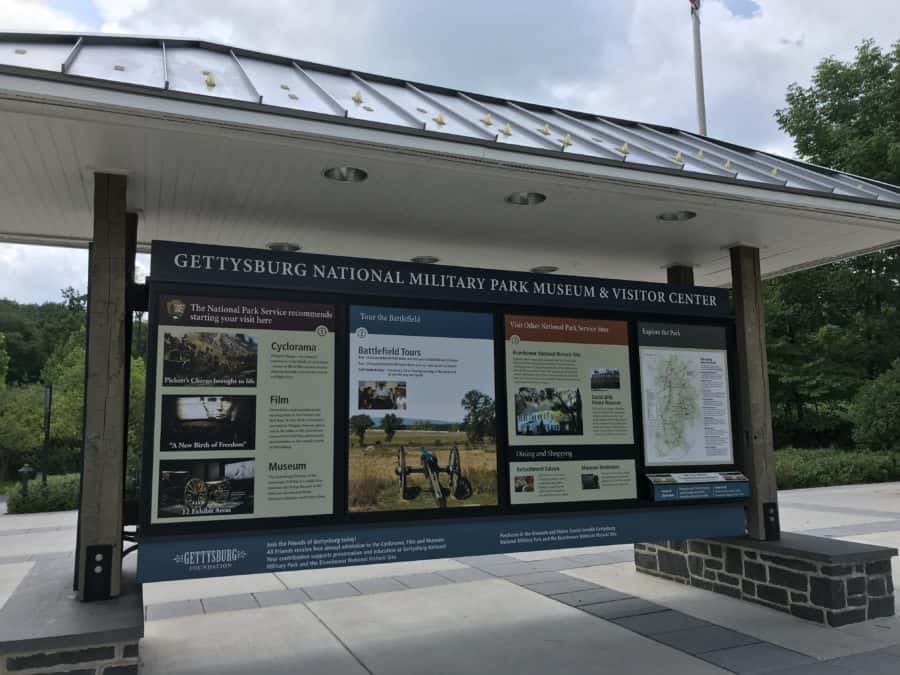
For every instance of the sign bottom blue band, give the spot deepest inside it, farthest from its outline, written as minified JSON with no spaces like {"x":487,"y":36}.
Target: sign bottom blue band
{"x":194,"y":557}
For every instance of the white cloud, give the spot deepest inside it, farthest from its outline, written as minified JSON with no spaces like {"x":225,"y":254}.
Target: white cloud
{"x":33,"y":15}
{"x":114,"y":11}
{"x":748,"y":63}
{"x":631,"y":60}
{"x":39,"y":273}
{"x":319,"y":30}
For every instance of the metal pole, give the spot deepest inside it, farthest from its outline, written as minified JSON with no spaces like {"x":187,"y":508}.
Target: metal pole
{"x":45,"y":452}
{"x":698,"y":70}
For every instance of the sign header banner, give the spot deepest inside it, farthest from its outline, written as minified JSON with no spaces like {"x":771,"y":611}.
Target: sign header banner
{"x":220,"y":265}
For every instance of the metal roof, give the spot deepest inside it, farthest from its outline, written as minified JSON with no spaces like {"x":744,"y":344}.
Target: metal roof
{"x":230,"y":76}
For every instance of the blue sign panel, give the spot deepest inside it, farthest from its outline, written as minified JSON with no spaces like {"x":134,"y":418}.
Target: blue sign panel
{"x":728,"y":490}
{"x":163,"y":559}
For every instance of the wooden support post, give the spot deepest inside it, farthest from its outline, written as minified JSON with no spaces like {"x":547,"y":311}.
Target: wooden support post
{"x":99,"y":554}
{"x":755,"y":422}
{"x":680,"y":275}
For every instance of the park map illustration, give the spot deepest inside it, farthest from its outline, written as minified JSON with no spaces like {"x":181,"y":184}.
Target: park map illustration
{"x":678,"y":407}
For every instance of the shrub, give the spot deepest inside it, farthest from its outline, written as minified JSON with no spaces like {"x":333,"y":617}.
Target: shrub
{"x":876,"y":411}
{"x":60,"y":494}
{"x":796,"y":468}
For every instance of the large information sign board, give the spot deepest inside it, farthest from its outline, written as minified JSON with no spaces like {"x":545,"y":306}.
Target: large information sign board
{"x":568,"y":381}
{"x":244,"y":393}
{"x":429,"y":372}
{"x":686,"y":402}
{"x":568,"y":394}
{"x":308,"y":411}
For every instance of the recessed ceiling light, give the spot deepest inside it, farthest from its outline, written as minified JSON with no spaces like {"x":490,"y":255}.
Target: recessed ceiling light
{"x":424,"y":259}
{"x":672,"y":216}
{"x":287,"y":246}
{"x":544,"y":269}
{"x":345,"y":174}
{"x":526,"y":198}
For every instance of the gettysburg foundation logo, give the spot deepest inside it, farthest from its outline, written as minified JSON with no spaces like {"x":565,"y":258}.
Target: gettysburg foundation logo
{"x":210,"y":558}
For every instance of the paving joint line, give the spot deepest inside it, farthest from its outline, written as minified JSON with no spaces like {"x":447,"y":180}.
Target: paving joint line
{"x":753,"y":640}
{"x":396,"y":578}
{"x":340,"y":641}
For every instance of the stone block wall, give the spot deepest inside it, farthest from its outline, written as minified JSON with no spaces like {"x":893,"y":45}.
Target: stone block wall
{"x":833,"y":594}
{"x":120,"y":658}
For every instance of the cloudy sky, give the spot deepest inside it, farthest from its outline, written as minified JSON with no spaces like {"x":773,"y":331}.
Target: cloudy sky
{"x":625,"y":58}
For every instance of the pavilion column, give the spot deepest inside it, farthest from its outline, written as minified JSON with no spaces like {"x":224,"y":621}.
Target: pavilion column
{"x":99,"y":554}
{"x":755,"y":422}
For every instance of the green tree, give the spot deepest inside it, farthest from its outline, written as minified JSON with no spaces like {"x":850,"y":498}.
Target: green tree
{"x":876,"y":411}
{"x":390,"y":423}
{"x":23,"y":343}
{"x":832,"y":329}
{"x":35,"y":331}
{"x":64,"y":371}
{"x":849,"y":117}
{"x":481,"y":416}
{"x":56,"y":356}
{"x":4,"y":361}
{"x":21,"y":417}
{"x":359,"y":425}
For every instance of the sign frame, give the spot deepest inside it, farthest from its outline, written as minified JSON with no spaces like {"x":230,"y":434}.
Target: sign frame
{"x":165,"y":279}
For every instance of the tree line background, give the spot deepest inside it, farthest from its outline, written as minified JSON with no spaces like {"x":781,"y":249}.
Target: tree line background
{"x":833,"y":332}
{"x":45,"y":344}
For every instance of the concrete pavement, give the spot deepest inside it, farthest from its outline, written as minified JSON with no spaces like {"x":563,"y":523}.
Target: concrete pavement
{"x":574,"y":609}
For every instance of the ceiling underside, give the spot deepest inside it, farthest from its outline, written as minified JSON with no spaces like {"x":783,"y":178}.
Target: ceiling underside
{"x":204,"y":174}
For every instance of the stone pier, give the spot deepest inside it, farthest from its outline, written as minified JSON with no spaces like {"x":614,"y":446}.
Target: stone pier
{"x":829,"y":581}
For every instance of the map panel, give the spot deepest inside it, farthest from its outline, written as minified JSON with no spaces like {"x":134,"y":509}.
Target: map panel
{"x":686,"y":406}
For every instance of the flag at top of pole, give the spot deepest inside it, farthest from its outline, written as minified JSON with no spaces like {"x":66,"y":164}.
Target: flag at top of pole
{"x":698,"y":68}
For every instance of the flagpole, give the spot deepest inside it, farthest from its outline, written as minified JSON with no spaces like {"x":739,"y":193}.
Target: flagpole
{"x":698,"y":68}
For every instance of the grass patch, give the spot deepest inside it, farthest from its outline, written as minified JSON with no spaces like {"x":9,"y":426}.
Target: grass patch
{"x":806,"y":468}
{"x":60,"y":494}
